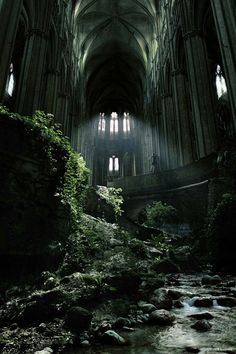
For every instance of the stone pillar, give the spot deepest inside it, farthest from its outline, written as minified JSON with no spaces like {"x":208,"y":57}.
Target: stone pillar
{"x":9,"y":19}
{"x":185,"y":118}
{"x":202,"y":98}
{"x":62,"y":109}
{"x":164,"y":153}
{"x":50,"y":103}
{"x":29,"y":94}
{"x":172,"y":132}
{"x":33,"y":64}
{"x":224,"y":12}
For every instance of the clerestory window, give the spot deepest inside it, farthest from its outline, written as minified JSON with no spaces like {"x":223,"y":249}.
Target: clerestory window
{"x":102,"y":123}
{"x":10,"y":81}
{"x":114,"y":123}
{"x":126,"y":123}
{"x":221,"y":87}
{"x":113,"y":164}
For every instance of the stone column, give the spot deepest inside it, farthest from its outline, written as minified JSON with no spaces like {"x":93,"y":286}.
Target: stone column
{"x":51,"y":92}
{"x":9,"y":19}
{"x":185,"y":118}
{"x":29,"y":96}
{"x":62,"y":109}
{"x":33,"y":64}
{"x":224,"y":12}
{"x":164,"y":153}
{"x":202,"y":98}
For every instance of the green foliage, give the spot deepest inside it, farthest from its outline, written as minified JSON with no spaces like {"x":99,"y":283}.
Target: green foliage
{"x":58,"y":150}
{"x":158,"y":213}
{"x":112,"y":196}
{"x":220,"y":228}
{"x":75,"y":183}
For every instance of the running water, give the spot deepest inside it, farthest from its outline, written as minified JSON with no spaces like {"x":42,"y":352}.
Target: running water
{"x":180,"y":338}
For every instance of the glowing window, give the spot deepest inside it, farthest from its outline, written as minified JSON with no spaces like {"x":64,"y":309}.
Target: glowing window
{"x":126,"y":123}
{"x":221,"y":87}
{"x":116,"y":164}
{"x":11,"y":81}
{"x":102,"y":123}
{"x":113,"y":164}
{"x":114,"y":123}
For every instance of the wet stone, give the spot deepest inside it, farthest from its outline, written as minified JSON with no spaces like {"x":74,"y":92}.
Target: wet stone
{"x":112,"y":337}
{"x":203,"y":302}
{"x":202,"y":326}
{"x":202,"y":316}
{"x":161,"y":317}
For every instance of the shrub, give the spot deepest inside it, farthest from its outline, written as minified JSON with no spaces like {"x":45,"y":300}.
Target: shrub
{"x":158,"y":213}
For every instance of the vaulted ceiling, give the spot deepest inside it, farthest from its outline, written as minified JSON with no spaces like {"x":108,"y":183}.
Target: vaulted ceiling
{"x":114,"y":42}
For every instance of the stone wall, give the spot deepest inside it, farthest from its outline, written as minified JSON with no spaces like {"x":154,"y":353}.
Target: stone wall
{"x":33,"y":219}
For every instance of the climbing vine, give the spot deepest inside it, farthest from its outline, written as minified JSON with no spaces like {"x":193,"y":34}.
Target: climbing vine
{"x":73,"y":176}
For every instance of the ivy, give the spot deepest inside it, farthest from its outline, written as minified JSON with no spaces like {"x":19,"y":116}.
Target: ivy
{"x":113,"y":197}
{"x":73,"y":182}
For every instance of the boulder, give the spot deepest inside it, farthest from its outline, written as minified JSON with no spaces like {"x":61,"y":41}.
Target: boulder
{"x":147,"y":308}
{"x":203,"y":302}
{"x":202,"y":326}
{"x":161,"y":299}
{"x":161,"y":317}
{"x":78,"y":319}
{"x":226,"y":301}
{"x":112,"y":337}
{"x":202,"y":316}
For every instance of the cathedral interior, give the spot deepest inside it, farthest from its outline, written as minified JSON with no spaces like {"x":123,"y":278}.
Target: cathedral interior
{"x":145,"y":92}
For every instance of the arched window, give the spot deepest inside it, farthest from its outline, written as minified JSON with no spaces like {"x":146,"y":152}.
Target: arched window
{"x":221,"y":87}
{"x":10,"y":81}
{"x":126,"y":123}
{"x":114,"y":123}
{"x":102,"y":123}
{"x":113,"y":164}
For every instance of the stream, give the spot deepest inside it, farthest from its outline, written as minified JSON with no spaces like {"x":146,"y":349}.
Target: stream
{"x":179,"y":337}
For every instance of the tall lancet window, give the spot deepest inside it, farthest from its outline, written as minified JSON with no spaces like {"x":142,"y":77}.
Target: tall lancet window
{"x":126,"y":123}
{"x":221,"y":87}
{"x":10,"y":81}
{"x":113,"y":164}
{"x":114,"y":123}
{"x":102,"y":123}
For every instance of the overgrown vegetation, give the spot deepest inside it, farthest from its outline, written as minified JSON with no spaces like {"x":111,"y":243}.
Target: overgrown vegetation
{"x":220,"y":232}
{"x":112,"y":196}
{"x":157,"y":213}
{"x":73,"y":182}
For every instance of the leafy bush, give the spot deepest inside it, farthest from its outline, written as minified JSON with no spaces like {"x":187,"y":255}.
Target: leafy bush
{"x":157,"y":213}
{"x":112,"y":196}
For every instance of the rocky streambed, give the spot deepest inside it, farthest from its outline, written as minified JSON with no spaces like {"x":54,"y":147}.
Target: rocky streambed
{"x":204,"y":320}
{"x":113,"y":293}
